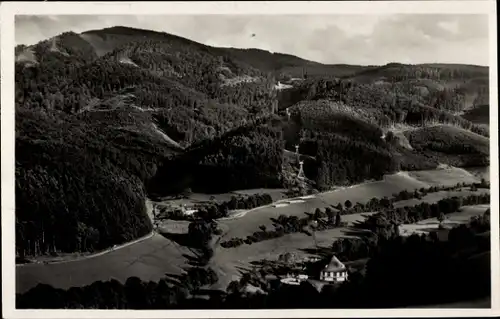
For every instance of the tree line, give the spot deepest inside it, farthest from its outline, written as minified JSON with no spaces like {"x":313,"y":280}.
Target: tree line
{"x":113,"y":294}
{"x":331,"y":217}
{"x":216,"y":210}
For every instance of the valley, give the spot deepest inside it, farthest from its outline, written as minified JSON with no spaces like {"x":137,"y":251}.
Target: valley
{"x":156,"y":256}
{"x":163,"y":163}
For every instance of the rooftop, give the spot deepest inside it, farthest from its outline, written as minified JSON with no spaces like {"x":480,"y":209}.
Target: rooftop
{"x":335,"y":265}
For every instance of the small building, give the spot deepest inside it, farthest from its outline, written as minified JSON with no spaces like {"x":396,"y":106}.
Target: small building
{"x":188,"y":210}
{"x":311,"y":259}
{"x":294,"y":278}
{"x":280,"y":205}
{"x":290,"y":281}
{"x":302,"y":277}
{"x":335,"y":271}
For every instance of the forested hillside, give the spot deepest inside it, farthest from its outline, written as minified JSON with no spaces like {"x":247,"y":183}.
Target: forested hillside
{"x":79,"y":181}
{"x":391,"y":107}
{"x":413,"y":101}
{"x":248,"y":157}
{"x":451,"y":145}
{"x":106,"y":117}
{"x":104,"y":109}
{"x":348,"y":145}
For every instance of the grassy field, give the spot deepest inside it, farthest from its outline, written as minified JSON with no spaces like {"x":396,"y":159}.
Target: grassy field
{"x":153,"y":258}
{"x":451,"y":220}
{"x":230,"y":262}
{"x":251,"y":221}
{"x":149,"y":260}
{"x":449,"y":176}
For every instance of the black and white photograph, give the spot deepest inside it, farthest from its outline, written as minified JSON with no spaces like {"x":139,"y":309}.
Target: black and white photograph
{"x":316,"y":161}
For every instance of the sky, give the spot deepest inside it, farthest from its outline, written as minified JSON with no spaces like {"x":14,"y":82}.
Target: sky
{"x":332,"y":39}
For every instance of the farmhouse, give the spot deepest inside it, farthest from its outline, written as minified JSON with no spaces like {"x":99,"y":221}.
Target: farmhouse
{"x":335,"y":271}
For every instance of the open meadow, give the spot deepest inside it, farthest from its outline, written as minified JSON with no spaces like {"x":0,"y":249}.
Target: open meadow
{"x":449,"y":176}
{"x":452,"y":220}
{"x":230,"y":263}
{"x":150,"y":259}
{"x":250,"y":222}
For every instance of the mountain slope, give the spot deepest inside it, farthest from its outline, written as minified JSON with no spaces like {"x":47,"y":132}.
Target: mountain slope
{"x":248,"y":157}
{"x":118,"y":112}
{"x":401,"y":99}
{"x":84,"y":188}
{"x":451,"y":145}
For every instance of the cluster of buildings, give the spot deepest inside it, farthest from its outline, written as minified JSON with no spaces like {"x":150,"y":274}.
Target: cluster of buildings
{"x":160,"y":211}
{"x":334,"y":272}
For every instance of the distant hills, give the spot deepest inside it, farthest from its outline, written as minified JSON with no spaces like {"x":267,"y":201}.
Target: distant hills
{"x":119,"y":113}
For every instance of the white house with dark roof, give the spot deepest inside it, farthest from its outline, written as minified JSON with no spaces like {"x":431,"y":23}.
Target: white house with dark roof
{"x":335,"y":271}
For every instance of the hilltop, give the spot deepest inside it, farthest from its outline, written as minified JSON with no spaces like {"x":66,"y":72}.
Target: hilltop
{"x":119,"y":114}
